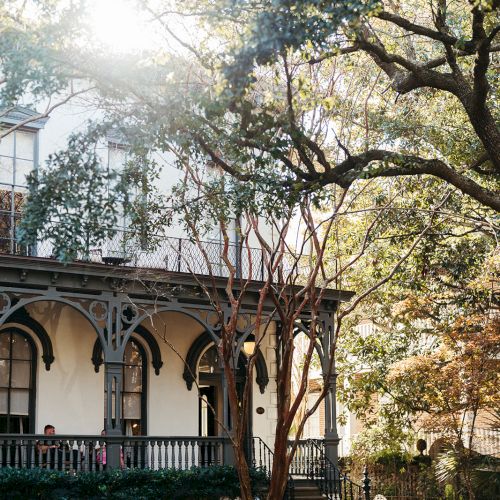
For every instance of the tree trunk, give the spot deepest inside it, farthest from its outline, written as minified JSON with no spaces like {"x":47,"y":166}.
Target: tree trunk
{"x":243,"y":473}
{"x":485,"y":127}
{"x":279,"y":475}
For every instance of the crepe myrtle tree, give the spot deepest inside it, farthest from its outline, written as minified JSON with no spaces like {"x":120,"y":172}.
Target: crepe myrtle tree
{"x":295,"y":282}
{"x":293,"y":293}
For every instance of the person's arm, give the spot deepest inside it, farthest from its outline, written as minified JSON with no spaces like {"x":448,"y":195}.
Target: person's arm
{"x":41,"y":447}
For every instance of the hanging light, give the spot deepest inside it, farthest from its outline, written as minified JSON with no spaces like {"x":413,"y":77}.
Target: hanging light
{"x":249,"y":347}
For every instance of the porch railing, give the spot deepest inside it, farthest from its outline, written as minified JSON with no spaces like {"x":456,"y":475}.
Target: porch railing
{"x":91,"y":453}
{"x":307,"y":455}
{"x":261,"y":456}
{"x":311,"y":462}
{"x":179,"y":255}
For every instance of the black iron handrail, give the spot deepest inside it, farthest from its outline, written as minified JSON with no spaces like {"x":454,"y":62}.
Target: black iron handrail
{"x":261,"y":457}
{"x":332,"y":483}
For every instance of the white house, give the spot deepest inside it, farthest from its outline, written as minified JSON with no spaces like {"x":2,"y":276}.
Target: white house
{"x":89,"y":340}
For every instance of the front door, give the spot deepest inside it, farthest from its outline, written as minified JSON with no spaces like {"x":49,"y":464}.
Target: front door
{"x":208,"y":402}
{"x":206,"y":419}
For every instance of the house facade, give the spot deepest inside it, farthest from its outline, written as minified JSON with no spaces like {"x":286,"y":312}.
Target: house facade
{"x":123,"y":341}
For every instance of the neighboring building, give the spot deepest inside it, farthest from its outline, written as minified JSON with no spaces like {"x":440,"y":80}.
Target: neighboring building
{"x":314,"y":428}
{"x":486,"y":439}
{"x":84,"y":342}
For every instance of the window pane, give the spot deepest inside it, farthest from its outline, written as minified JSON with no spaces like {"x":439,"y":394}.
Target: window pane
{"x":19,"y":198}
{"x":21,"y":374}
{"x":132,"y":406}
{"x":116,"y":157}
{"x":23,"y":168}
{"x":5,"y":200}
{"x":21,"y":348}
{"x":133,"y":378}
{"x":19,"y":401}
{"x":7,"y":145}
{"x":132,"y":354}
{"x":5,"y":225}
{"x":133,"y":427}
{"x":6,"y":170}
{"x":24,"y":424}
{"x":4,"y":345}
{"x":3,"y":401}
{"x":4,"y":373}
{"x":209,"y":362}
{"x":24,"y":145}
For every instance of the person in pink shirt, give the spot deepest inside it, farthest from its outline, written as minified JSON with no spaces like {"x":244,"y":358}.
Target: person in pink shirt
{"x":101,"y":454}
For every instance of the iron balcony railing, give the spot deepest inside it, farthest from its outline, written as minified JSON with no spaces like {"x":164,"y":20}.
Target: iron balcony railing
{"x":166,"y":253}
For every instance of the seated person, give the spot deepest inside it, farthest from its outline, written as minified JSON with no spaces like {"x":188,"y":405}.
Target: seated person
{"x":50,"y":451}
{"x":101,"y":454}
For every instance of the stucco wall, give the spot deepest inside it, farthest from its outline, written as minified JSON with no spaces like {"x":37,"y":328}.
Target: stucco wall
{"x":173,"y":410}
{"x":70,"y":395}
{"x":73,"y":117}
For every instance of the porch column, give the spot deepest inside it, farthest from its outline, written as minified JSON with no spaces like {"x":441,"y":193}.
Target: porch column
{"x":330,"y":380}
{"x":113,"y":376}
{"x":331,"y":434}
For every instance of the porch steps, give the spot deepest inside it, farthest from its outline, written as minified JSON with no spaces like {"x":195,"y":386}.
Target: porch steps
{"x":307,"y":489}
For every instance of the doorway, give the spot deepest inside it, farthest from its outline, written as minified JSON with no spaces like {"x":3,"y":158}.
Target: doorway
{"x":206,"y":417}
{"x":210,"y":403}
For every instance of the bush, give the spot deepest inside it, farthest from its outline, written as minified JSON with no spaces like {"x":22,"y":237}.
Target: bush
{"x":395,"y":460}
{"x":193,"y":484}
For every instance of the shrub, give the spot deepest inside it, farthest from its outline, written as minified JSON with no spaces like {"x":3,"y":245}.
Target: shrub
{"x":395,"y":460}
{"x":193,"y":484}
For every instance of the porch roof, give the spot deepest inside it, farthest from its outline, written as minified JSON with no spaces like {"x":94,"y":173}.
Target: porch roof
{"x":93,"y":277}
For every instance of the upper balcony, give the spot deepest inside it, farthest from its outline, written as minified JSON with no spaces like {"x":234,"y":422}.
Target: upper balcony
{"x":164,"y":253}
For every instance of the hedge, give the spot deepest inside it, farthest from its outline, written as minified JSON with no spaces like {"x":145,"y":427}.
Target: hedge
{"x":197,"y":483}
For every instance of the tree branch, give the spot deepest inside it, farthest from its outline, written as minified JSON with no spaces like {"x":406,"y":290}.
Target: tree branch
{"x":395,"y":164}
{"x":416,"y":28}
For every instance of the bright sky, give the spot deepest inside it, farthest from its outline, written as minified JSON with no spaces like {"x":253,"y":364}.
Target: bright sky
{"x":124,"y":28}
{"x":119,"y":25}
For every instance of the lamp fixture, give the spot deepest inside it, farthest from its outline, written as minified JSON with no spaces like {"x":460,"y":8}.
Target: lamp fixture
{"x":249,"y":347}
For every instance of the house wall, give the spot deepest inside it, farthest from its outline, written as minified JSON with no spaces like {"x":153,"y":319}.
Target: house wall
{"x":74,"y":116}
{"x":173,"y":410}
{"x":70,"y":395}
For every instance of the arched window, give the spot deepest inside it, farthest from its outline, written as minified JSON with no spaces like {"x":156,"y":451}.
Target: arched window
{"x":209,"y":361}
{"x":134,"y":396}
{"x":17,"y":382}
